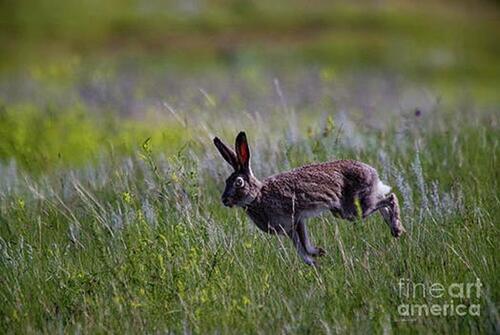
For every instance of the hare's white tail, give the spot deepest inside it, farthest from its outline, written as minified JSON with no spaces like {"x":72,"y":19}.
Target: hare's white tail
{"x":382,"y":190}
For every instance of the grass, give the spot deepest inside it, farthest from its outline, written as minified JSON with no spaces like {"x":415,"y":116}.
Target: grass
{"x":139,"y":242}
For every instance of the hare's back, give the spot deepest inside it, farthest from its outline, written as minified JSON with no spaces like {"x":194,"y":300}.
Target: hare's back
{"x":331,"y":178}
{"x":348,"y":170}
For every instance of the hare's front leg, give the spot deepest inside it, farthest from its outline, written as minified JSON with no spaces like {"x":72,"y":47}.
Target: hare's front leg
{"x":306,"y":257}
{"x":304,"y":238}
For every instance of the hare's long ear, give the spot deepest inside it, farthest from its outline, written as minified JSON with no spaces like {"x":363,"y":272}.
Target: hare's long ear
{"x":226,"y":153}
{"x":242,"y":151}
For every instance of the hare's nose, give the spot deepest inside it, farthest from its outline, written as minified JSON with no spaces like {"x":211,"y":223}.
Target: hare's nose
{"x":226,"y":201}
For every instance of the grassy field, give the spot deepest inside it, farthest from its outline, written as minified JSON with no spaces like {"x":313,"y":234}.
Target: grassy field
{"x":110,"y":211}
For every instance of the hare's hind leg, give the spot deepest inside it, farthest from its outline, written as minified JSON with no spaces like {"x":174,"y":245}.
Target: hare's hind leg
{"x":386,"y":214}
{"x":304,"y":238}
{"x":389,"y":209}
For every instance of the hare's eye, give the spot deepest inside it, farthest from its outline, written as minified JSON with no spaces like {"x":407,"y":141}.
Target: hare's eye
{"x":239,"y":182}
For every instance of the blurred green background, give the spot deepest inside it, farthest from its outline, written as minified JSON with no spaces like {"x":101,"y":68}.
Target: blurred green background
{"x":442,"y":41}
{"x":80,"y":76}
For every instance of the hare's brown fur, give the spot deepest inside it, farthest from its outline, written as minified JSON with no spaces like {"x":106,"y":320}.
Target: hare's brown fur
{"x":282,"y":203}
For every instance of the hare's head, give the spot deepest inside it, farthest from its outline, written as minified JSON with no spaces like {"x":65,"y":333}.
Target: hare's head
{"x":241,"y":187}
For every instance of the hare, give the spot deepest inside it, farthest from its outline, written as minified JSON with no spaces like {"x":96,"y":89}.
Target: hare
{"x":282,"y":203}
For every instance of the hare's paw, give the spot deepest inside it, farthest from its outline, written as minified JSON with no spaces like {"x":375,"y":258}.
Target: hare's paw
{"x":318,"y":252}
{"x":309,"y":260}
{"x":398,"y":230}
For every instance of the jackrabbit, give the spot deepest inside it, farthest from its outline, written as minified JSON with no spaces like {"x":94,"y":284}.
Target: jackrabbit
{"x":282,"y":203}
